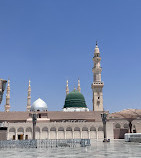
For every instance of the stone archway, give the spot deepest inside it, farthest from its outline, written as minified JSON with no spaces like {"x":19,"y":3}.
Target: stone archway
{"x":44,"y":133}
{"x":85,"y":133}
{"x":93,"y":133}
{"x":61,"y":133}
{"x":69,"y":134}
{"x":53,"y":133}
{"x":100,"y":133}
{"x":20,"y":133}
{"x":12,"y":133}
{"x":77,"y":134}
{"x":37,"y":132}
{"x":28,"y":133}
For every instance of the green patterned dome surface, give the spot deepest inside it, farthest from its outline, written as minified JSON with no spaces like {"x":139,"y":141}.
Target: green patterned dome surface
{"x":75,"y":99}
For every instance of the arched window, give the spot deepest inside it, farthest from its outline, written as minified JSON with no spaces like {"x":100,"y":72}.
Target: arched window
{"x":20,"y":129}
{"x":92,"y":129}
{"x":76,"y":129}
{"x":12,"y":130}
{"x":68,"y":129}
{"x":117,"y":125}
{"x":60,"y":129}
{"x":53,"y":129}
{"x":84,"y":129}
{"x":100,"y":128}
{"x":44,"y":129}
{"x":126,"y":125}
{"x":29,"y":129}
{"x":37,"y":129}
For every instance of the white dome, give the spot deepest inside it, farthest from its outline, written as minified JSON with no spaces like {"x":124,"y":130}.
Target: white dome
{"x":39,"y":105}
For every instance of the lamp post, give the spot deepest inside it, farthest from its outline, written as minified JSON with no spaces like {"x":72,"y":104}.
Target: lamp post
{"x":34,"y":121}
{"x":2,"y":88}
{"x":104,"y":120}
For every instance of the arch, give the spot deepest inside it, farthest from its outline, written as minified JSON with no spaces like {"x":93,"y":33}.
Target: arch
{"x":44,"y":133}
{"x":37,"y":132}
{"x":92,"y":129}
{"x":28,"y":129}
{"x":77,"y":134}
{"x":100,"y":132}
{"x":52,"y":129}
{"x":84,"y":129}
{"x":53,"y":133}
{"x":76,"y":129}
{"x":85,"y":133}
{"x":126,"y":125}
{"x":12,"y":129}
{"x":44,"y":129}
{"x":37,"y":129}
{"x":68,"y":129}
{"x":61,"y":133}
{"x":69,"y":133}
{"x":93,"y":134}
{"x":100,"y":128}
{"x":28,"y":133}
{"x":60,"y":129}
{"x":117,"y":125}
{"x":20,"y":129}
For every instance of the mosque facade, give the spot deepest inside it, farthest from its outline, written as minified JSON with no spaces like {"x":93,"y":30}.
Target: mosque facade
{"x":75,"y":121}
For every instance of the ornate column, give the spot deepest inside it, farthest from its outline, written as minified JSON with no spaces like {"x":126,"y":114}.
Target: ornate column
{"x":56,"y":133}
{"x":96,"y":133}
{"x":24,"y":134}
{"x":89,"y":133}
{"x":16,"y":136}
{"x":40,"y":135}
{"x":65,"y":133}
{"x":81,"y":134}
{"x":49,"y":134}
{"x":72,"y":133}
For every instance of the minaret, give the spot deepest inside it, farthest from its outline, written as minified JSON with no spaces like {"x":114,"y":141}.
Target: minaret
{"x":78,"y":88}
{"x":29,"y":98}
{"x":97,"y":84}
{"x":7,"y":106}
{"x":67,"y":88}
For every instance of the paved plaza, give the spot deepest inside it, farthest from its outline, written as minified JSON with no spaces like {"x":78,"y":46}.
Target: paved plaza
{"x":114,"y":149}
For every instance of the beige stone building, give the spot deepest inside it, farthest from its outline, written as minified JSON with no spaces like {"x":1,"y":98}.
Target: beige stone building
{"x":76,"y":121}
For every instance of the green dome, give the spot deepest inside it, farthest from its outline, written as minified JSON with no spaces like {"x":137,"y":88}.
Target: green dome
{"x":75,"y":99}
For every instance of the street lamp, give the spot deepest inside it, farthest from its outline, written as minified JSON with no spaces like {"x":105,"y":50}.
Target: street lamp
{"x":2,"y":88}
{"x":34,"y":121}
{"x":104,"y":120}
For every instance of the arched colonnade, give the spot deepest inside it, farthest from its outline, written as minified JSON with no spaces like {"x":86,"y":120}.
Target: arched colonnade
{"x":56,"y":132}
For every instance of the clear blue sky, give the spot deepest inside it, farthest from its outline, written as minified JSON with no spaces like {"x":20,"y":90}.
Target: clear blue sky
{"x":50,"y":41}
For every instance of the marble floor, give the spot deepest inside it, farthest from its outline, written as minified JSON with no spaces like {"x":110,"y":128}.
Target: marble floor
{"x":114,"y":149}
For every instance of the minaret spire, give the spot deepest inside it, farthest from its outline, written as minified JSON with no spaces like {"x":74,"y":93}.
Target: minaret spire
{"x":97,"y":84}
{"x":29,"y":97}
{"x":67,"y":88}
{"x":78,"y":88}
{"x":7,"y":106}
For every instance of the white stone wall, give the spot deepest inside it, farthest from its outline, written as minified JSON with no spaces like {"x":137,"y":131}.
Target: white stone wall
{"x":62,"y":130}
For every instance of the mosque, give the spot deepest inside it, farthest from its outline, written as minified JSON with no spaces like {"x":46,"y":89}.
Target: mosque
{"x":75,"y":121}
